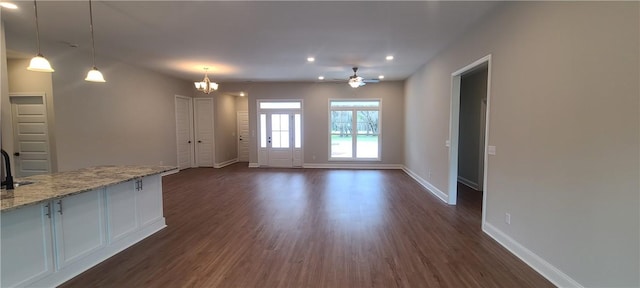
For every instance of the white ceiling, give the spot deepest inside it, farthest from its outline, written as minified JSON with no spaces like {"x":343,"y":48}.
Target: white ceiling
{"x":251,"y":41}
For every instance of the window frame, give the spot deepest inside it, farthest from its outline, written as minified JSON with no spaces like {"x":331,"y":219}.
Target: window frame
{"x":354,"y":141}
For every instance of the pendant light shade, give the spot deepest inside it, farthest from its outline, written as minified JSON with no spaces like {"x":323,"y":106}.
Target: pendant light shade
{"x":94,"y":74}
{"x":38,"y":63}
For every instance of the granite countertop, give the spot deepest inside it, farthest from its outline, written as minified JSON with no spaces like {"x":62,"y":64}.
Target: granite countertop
{"x":57,"y":185}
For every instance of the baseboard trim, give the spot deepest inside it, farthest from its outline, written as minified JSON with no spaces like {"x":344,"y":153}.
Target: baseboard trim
{"x":351,"y":166}
{"x":174,"y":171}
{"x":253,"y":165}
{"x":424,"y":183}
{"x":534,"y":261}
{"x":468,"y":183}
{"x":225,"y":163}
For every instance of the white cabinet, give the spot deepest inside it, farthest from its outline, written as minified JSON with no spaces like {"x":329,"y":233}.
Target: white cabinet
{"x":121,"y":210}
{"x":149,"y":195}
{"x":44,"y":245}
{"x":79,"y":226}
{"x":26,"y":245}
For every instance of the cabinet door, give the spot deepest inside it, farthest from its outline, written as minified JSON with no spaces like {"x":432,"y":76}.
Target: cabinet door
{"x":79,"y":226}
{"x":26,"y":245}
{"x":121,"y":210}
{"x":149,"y":200}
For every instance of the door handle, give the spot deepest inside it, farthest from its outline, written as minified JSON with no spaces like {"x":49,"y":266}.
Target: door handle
{"x":189,"y":141}
{"x":199,"y":141}
{"x":16,"y":154}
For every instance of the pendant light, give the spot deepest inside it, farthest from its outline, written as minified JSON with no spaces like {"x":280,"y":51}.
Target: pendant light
{"x":38,"y":63}
{"x":94,"y":74}
{"x":206,"y":86}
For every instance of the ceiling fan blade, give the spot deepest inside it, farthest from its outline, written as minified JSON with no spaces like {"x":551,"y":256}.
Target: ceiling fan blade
{"x":370,"y":80}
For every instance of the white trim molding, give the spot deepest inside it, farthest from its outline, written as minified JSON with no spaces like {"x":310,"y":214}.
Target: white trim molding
{"x":468,"y":183}
{"x":225,"y":163}
{"x":534,"y":261}
{"x":174,"y":171}
{"x":352,"y":166}
{"x":424,"y":183}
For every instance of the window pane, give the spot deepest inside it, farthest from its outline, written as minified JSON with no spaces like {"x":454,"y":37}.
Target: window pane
{"x":263,"y":130}
{"x":275,"y":122}
{"x":275,"y":139}
{"x":339,"y":103}
{"x":367,"y":146}
{"x":280,"y":105}
{"x":280,"y":130}
{"x":341,"y":134}
{"x":298,"y":131}
{"x":367,"y":140}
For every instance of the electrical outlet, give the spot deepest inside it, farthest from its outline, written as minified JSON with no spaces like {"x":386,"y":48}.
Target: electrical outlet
{"x":507,"y":218}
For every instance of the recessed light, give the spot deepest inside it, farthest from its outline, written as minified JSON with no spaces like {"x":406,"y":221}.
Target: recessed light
{"x":381,"y":77}
{"x":242,"y":94}
{"x":321,"y":78}
{"x":389,"y":57}
{"x":8,"y":5}
{"x":311,"y":59}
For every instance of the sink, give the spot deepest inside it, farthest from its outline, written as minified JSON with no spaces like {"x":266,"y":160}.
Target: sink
{"x":8,"y":194}
{"x":22,"y":183}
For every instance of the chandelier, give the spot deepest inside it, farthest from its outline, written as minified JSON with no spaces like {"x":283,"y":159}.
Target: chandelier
{"x":206,"y":86}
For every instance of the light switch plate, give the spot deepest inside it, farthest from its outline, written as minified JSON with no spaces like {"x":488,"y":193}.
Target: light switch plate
{"x":491,"y":150}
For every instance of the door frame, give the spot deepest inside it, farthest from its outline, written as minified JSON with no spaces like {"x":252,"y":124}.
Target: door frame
{"x":238,"y":133}
{"x":191,"y":131}
{"x":454,"y":129}
{"x":292,"y":111}
{"x":50,"y":138}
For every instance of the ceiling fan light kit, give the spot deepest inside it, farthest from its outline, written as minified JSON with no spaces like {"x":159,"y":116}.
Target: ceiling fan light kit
{"x":356,"y":81}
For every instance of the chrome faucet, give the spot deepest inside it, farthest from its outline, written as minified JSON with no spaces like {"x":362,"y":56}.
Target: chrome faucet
{"x":9,"y":179}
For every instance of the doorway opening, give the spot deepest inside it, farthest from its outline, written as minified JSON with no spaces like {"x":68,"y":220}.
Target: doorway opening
{"x":469,"y":126}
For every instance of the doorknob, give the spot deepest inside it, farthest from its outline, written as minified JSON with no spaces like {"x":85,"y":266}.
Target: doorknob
{"x":189,"y":141}
{"x":199,"y":141}
{"x":16,"y":154}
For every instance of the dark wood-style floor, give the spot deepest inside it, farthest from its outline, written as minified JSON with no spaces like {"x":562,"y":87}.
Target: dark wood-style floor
{"x":241,"y":227}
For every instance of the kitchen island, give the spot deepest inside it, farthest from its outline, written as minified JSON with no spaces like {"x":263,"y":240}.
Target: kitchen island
{"x":59,"y":225}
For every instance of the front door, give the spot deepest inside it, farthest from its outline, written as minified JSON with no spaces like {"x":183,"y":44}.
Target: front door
{"x":280,"y":142}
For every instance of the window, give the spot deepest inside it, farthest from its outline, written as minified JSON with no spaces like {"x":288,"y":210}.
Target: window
{"x":354,"y":129}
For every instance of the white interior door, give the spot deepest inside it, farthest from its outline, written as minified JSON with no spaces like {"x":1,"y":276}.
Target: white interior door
{"x":204,"y":132}
{"x":31,"y":136}
{"x":184,"y":132}
{"x":243,"y":136}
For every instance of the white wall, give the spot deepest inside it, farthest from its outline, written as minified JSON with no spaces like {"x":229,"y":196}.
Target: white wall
{"x":564,"y":115}
{"x":128,"y":120}
{"x":316,"y":115}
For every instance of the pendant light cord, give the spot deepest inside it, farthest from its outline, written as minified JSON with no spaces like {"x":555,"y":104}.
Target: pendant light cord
{"x":93,"y":41}
{"x":35,"y":6}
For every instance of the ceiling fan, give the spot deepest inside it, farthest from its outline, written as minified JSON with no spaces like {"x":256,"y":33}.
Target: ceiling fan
{"x":356,"y":81}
